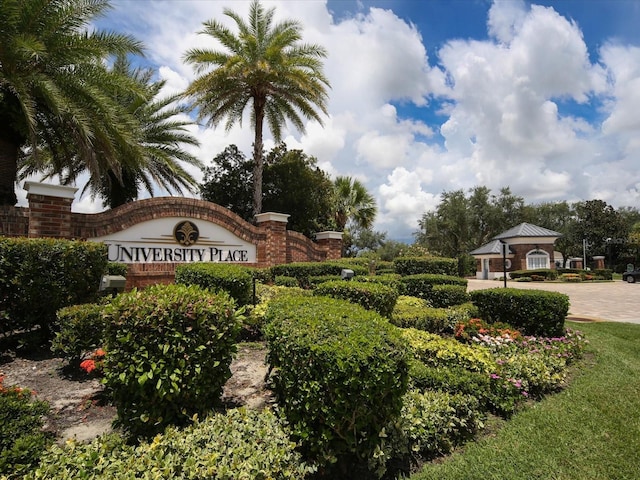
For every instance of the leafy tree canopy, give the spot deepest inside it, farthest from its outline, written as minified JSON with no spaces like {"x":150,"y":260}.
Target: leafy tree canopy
{"x":464,"y":221}
{"x":293,"y":184}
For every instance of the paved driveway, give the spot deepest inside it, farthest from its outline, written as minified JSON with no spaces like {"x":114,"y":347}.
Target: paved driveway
{"x":615,"y":301}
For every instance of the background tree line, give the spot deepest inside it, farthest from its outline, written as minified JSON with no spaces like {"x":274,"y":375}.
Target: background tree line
{"x":292,"y":183}
{"x":463,"y":221}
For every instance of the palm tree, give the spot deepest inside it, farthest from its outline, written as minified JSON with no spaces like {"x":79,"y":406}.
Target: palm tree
{"x":353,"y":203}
{"x":264,"y":65}
{"x":52,"y":87}
{"x":162,"y":135}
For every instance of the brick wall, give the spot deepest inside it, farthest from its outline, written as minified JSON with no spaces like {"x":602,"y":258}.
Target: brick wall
{"x":49,"y":215}
{"x":300,"y":249}
{"x":14,"y":221}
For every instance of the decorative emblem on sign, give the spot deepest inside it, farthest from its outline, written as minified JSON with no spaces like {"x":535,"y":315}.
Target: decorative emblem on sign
{"x":186,"y":233}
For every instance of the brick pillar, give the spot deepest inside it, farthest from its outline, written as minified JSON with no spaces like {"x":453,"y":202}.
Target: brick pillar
{"x":274,"y":226}
{"x":49,"y":210}
{"x":598,"y":262}
{"x":332,"y":241}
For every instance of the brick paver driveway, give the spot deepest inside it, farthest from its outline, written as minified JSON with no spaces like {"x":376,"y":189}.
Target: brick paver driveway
{"x":615,"y":301}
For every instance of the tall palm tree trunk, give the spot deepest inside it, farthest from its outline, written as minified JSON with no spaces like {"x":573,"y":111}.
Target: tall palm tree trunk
{"x":258,"y":164}
{"x":8,"y":172}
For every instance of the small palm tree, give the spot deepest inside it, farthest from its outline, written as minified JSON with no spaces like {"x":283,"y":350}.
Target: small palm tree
{"x":161,"y":137}
{"x":264,"y":66}
{"x":52,"y":95}
{"x":353,"y":203}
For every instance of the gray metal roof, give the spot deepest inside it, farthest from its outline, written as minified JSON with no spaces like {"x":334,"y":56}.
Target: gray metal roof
{"x":491,"y":248}
{"x":527,"y":230}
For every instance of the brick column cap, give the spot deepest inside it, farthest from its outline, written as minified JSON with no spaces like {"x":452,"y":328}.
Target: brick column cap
{"x":329,"y":235}
{"x":598,"y":257}
{"x":49,"y":190}
{"x":272,"y":217}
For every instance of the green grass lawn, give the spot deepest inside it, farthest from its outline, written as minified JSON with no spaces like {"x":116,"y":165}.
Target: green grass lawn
{"x":589,"y":431}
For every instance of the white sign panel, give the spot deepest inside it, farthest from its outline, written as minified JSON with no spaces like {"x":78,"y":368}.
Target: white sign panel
{"x":177,"y":240}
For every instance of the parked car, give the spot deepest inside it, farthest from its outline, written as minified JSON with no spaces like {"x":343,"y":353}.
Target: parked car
{"x":631,"y":277}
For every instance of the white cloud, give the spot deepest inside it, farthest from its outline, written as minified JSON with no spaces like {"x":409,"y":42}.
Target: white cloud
{"x":506,"y":103}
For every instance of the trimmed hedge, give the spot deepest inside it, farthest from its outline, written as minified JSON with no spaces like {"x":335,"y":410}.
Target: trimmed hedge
{"x":378,"y":264}
{"x":313,"y":282}
{"x":533,"y":312}
{"x":169,"y":348}
{"x":304,"y":270}
{"x":419,"y":265}
{"x":436,"y":351}
{"x":341,"y":373}
{"x":239,"y":444}
{"x":597,"y":274}
{"x":389,"y":279}
{"x":283,"y":281}
{"x":545,"y":273}
{"x":452,"y":380}
{"x":445,"y":296}
{"x":413,"y":312}
{"x":421,"y":285}
{"x":40,"y":276}
{"x":236,"y":280}
{"x":372,"y":296}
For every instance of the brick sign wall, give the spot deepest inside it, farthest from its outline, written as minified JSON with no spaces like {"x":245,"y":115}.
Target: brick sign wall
{"x":155,"y":235}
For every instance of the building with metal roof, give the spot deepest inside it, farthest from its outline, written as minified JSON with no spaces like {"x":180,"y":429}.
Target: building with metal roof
{"x":523,"y":247}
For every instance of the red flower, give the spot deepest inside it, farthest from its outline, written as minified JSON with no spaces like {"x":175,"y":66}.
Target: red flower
{"x":88,"y":366}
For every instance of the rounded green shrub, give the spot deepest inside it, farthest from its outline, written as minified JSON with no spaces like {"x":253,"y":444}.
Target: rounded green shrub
{"x":80,"y":329}
{"x":432,"y":424}
{"x":169,"y":348}
{"x":372,"y":296}
{"x":340,"y":374}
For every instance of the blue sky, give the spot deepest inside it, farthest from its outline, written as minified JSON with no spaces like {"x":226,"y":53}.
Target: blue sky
{"x":438,"y":95}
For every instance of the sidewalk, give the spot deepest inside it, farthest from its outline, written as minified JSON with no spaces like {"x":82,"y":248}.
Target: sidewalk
{"x":615,"y":301}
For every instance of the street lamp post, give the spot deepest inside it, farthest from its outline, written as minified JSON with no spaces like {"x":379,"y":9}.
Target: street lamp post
{"x":504,"y":263}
